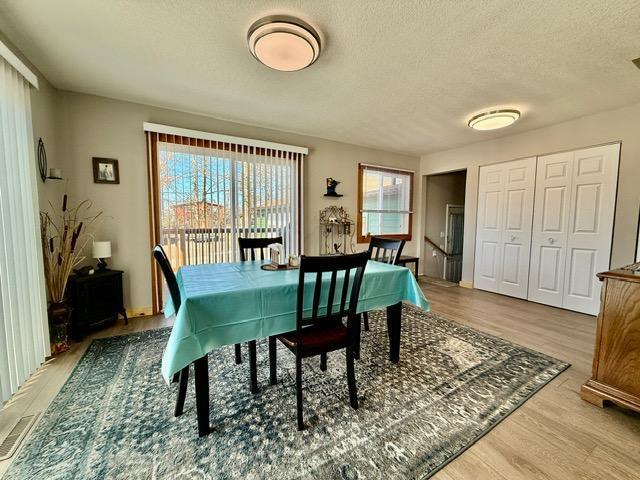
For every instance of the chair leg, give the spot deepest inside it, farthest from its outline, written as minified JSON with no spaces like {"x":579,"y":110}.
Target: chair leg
{"x":357,"y":324}
{"x":365,"y":315}
{"x":323,"y":362}
{"x":273,"y":350}
{"x":299,"y":392}
{"x":238,"y":354}
{"x":175,"y":378}
{"x":182,"y":391}
{"x":351,"y":379}
{"x":253,"y":367}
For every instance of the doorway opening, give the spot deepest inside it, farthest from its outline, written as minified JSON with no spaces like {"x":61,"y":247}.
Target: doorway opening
{"x":444,"y":225}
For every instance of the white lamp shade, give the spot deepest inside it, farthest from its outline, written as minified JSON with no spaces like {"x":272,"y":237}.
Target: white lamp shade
{"x":101,"y":249}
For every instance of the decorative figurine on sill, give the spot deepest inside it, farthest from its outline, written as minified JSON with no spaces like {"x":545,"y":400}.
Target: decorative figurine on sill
{"x":331,"y":188}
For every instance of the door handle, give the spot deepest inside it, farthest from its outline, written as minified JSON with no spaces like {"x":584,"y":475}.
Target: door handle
{"x":513,"y":238}
{"x":551,"y":241}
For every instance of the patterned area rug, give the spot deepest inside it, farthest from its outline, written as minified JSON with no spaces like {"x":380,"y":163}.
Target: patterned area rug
{"x":113,"y":418}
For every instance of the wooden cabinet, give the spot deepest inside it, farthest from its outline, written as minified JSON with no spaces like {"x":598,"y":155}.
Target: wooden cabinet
{"x":616,"y":364}
{"x":96,"y":301}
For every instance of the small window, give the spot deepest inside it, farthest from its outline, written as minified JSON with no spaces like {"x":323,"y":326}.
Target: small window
{"x":385,"y":199}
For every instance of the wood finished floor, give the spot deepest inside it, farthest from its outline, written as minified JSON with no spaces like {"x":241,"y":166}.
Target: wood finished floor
{"x":554,"y":435}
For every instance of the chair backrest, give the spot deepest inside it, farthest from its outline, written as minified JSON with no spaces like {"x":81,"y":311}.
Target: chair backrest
{"x":170,"y":277}
{"x":385,"y":250}
{"x":253,"y":244}
{"x":332,"y":265}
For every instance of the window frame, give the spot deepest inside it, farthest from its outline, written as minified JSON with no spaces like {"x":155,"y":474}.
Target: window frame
{"x":359,"y":222}
{"x":255,"y":147}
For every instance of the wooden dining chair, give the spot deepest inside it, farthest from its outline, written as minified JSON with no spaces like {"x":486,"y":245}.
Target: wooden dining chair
{"x":170,"y":277}
{"x":384,"y":250}
{"x":249,"y":246}
{"x":324,"y":331}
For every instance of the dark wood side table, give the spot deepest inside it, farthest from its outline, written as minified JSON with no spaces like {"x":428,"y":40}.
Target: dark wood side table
{"x":404,"y":259}
{"x":96,"y":300}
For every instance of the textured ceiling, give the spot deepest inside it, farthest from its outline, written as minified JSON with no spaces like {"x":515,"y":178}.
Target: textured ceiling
{"x":401,"y":76}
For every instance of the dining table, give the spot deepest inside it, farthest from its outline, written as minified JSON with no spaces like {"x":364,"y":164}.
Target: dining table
{"x":230,"y":303}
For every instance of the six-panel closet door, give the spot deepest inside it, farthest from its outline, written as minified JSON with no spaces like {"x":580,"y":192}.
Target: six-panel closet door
{"x":550,"y":227}
{"x":573,"y":226}
{"x":503,"y":236}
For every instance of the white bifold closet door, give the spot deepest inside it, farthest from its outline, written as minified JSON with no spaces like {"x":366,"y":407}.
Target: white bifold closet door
{"x":503,"y":236}
{"x":573,"y":226}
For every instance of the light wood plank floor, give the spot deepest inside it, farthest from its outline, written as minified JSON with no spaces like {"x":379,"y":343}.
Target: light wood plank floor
{"x":554,"y":435}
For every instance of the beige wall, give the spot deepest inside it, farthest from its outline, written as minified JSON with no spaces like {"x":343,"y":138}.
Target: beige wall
{"x":611,"y":126}
{"x":44,"y":103}
{"x":440,"y":190}
{"x":96,"y":126}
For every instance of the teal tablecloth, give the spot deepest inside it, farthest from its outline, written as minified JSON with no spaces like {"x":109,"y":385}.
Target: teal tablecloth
{"x":229,"y":303}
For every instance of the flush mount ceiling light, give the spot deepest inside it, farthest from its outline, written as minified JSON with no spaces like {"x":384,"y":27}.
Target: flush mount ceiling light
{"x":494,"y":119}
{"x":283,"y":43}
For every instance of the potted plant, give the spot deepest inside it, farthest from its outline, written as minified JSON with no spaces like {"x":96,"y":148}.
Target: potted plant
{"x":64,"y":236}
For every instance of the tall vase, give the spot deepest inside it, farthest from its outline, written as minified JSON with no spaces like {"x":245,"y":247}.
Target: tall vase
{"x":59,"y":323}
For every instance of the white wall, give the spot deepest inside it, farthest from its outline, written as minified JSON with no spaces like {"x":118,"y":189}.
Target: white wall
{"x":611,"y":126}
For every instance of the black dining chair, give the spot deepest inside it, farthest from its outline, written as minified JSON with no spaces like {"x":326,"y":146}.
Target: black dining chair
{"x":250,"y":245}
{"x":384,"y":250}
{"x":324,"y":331}
{"x":170,"y":277}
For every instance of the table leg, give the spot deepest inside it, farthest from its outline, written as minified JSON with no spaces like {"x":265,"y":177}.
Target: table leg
{"x":394,"y":318}
{"x":417,"y":266}
{"x":201,"y":377}
{"x":273,"y":356}
{"x":253,"y":367}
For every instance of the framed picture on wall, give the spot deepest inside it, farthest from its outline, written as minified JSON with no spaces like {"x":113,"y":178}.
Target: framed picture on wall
{"x":105,"y":170}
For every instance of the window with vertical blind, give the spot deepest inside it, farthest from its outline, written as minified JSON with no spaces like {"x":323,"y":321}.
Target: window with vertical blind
{"x":24,"y":336}
{"x":208,"y":190}
{"x":385,"y":199}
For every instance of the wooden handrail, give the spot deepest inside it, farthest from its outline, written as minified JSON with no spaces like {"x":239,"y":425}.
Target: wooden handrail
{"x":436,"y":246}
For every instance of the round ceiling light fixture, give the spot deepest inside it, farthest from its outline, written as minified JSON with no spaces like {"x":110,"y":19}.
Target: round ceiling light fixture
{"x":283,"y":43}
{"x":494,"y":119}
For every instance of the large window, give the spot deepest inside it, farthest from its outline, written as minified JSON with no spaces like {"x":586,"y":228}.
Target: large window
{"x":24,"y":338}
{"x":385,"y":198}
{"x":206,"y":193}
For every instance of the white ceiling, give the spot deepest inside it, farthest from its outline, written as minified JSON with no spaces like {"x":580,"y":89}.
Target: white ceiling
{"x":402,"y":76}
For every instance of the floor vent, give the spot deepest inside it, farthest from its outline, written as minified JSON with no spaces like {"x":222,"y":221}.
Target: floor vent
{"x":10,"y":444}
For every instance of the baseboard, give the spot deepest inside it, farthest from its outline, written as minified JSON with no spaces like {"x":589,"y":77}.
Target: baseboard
{"x":139,"y":312}
{"x":465,"y":284}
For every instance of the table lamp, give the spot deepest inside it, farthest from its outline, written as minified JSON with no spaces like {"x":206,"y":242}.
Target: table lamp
{"x":101,"y":250}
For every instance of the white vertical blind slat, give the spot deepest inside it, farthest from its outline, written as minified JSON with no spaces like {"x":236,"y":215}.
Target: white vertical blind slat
{"x":253,"y":194}
{"x":290,"y":222}
{"x":300,"y":202}
{"x":281,"y":199}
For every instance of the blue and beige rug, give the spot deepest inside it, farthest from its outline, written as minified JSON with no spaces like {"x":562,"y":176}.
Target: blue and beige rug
{"x":113,"y":418}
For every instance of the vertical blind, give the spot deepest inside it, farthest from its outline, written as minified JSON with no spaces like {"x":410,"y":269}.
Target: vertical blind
{"x":23,"y":319}
{"x":208,"y":190}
